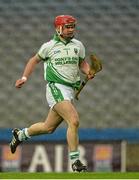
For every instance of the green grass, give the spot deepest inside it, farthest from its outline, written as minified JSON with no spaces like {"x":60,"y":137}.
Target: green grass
{"x":69,"y":175}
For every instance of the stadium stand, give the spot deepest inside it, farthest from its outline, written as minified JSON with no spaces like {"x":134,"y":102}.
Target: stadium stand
{"x":108,"y":28}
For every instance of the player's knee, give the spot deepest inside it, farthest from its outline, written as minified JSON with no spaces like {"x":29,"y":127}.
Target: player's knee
{"x":74,"y":123}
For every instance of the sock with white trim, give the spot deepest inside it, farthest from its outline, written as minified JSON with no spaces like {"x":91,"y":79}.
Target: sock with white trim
{"x":74,"y":155}
{"x":23,"y":135}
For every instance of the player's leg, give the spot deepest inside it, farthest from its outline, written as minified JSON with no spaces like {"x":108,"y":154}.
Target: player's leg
{"x":48,"y":126}
{"x":68,"y":112}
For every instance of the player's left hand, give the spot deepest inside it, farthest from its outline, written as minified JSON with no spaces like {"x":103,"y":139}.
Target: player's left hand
{"x":91,"y":74}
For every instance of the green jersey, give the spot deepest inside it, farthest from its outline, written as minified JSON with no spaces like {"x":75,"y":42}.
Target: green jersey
{"x":61,"y":61}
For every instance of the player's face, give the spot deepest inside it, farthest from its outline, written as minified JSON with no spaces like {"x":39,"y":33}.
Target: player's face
{"x":68,"y":31}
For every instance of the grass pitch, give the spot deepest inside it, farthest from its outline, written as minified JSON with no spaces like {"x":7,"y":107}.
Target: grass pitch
{"x":63,"y":175}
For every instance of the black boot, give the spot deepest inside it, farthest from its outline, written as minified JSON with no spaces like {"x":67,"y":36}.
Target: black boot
{"x":78,"y":166}
{"x":15,"y":141}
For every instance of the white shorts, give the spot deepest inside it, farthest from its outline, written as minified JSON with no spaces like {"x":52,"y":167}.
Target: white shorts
{"x":58,"y":92}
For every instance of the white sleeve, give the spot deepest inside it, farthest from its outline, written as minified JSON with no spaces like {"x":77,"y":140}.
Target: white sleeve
{"x":42,"y":53}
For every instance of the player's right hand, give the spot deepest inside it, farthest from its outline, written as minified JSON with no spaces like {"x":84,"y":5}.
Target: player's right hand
{"x":19,"y":83}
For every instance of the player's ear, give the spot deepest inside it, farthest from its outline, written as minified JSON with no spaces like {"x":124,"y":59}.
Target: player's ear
{"x":59,"y":30}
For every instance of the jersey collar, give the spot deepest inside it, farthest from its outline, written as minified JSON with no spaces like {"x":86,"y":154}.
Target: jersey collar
{"x":56,"y":38}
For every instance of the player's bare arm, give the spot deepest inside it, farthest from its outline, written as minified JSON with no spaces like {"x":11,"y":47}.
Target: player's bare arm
{"x":85,"y":68}
{"x":30,"y":66}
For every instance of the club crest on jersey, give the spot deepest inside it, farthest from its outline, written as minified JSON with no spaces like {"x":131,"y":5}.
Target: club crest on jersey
{"x":75,"y":50}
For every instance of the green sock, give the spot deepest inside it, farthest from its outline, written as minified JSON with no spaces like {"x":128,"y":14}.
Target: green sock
{"x":74,"y":155}
{"x":23,"y":135}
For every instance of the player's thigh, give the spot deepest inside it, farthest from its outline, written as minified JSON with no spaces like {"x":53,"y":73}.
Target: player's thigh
{"x":67,"y":111}
{"x":53,"y":120}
